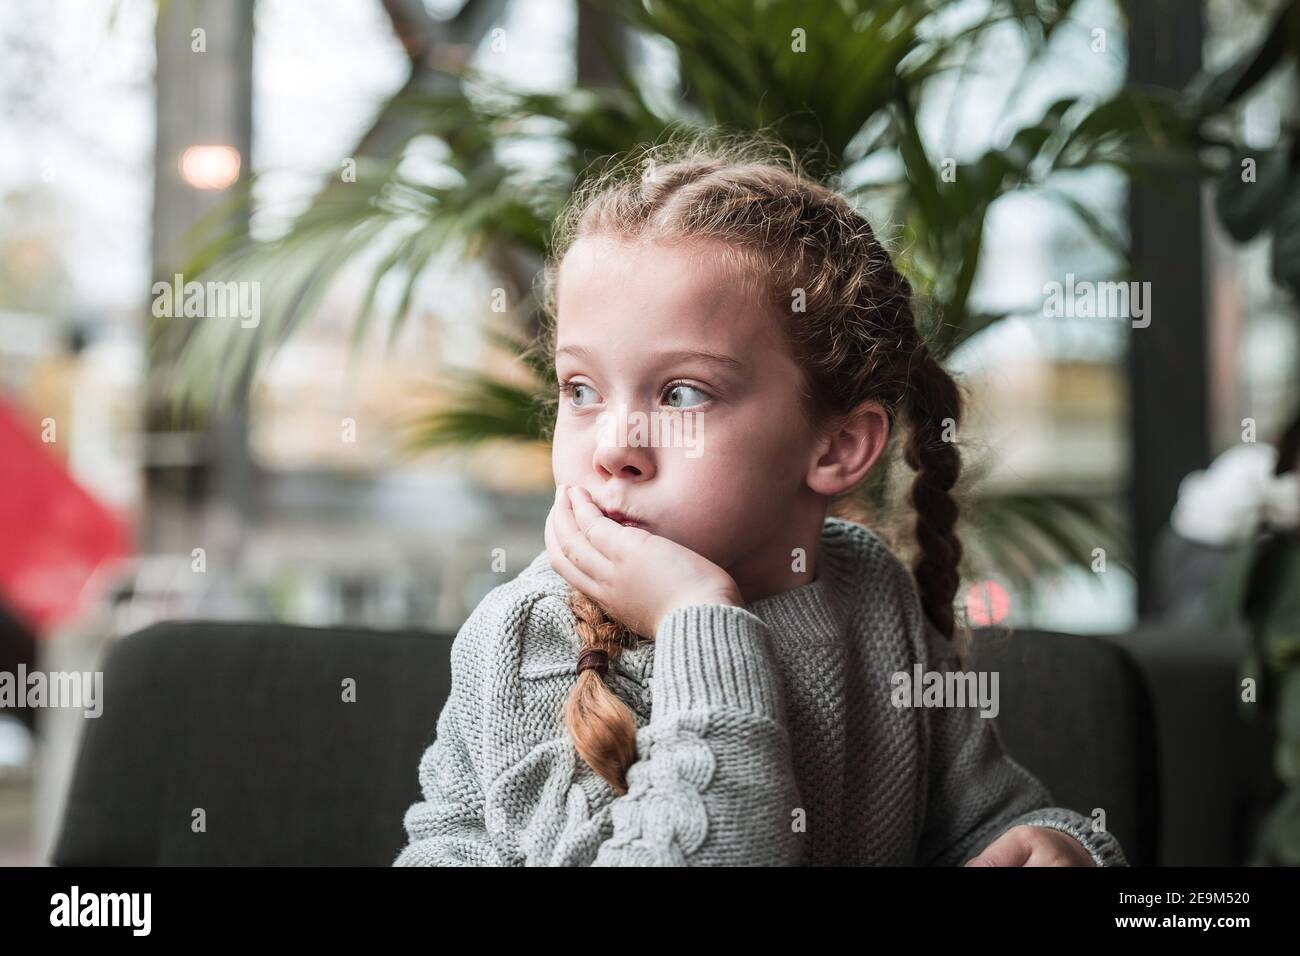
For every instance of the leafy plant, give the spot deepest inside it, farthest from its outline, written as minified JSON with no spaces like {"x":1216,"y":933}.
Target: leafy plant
{"x":1257,"y":194}
{"x":848,"y":103}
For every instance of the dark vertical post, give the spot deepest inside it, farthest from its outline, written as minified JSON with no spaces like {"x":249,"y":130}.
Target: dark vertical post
{"x":1168,"y":369}
{"x":595,"y":25}
{"x":204,"y":96}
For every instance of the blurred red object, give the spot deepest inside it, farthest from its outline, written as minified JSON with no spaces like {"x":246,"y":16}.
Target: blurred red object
{"x":53,"y":534}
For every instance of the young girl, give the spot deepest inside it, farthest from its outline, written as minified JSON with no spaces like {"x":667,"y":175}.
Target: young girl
{"x":700,"y":668}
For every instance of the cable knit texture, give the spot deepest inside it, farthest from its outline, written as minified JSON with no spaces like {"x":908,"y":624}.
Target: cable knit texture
{"x":765,"y":736}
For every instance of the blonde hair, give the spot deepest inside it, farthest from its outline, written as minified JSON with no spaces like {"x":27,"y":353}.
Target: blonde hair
{"x":780,"y":234}
{"x":603,"y":728}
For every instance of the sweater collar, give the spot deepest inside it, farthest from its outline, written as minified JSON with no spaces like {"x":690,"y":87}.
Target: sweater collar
{"x":816,"y":612}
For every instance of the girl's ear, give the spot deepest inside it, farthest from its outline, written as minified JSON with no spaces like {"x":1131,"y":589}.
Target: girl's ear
{"x":846,"y":454}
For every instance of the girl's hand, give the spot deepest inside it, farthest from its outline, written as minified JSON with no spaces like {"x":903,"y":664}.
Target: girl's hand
{"x":1033,"y":846}
{"x":638,"y":577}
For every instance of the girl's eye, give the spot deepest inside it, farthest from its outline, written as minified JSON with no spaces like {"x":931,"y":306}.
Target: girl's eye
{"x":571,"y":389}
{"x":679,"y":393}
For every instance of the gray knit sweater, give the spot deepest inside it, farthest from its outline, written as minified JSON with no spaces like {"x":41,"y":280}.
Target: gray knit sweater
{"x":766,"y":736}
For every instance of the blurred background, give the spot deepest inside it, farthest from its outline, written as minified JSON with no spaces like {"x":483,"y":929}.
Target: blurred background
{"x":379,"y":176}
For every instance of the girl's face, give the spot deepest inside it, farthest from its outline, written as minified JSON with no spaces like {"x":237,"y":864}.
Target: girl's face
{"x":683,"y":406}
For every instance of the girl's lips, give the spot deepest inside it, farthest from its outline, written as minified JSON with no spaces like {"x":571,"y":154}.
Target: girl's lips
{"x":623,"y":519}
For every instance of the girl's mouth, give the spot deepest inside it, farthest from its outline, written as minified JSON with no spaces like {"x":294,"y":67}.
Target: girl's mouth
{"x":624,"y":520}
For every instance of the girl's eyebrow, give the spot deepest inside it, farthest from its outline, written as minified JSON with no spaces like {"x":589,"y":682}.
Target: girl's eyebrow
{"x":717,"y":359}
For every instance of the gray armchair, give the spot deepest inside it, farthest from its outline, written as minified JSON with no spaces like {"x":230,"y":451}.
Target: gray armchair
{"x":247,"y":723}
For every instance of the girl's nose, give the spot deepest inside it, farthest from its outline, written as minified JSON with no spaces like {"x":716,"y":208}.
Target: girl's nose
{"x":617,"y":458}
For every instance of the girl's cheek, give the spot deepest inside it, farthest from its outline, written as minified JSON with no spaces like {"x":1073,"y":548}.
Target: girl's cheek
{"x":563,"y":462}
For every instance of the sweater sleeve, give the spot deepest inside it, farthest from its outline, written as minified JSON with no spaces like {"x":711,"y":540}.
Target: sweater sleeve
{"x":713,"y":784}
{"x":976,"y":792}
{"x":446,"y":827}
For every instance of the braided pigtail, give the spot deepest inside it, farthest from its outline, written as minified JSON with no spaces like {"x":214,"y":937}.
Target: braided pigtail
{"x":601,"y":725}
{"x":934,"y":409}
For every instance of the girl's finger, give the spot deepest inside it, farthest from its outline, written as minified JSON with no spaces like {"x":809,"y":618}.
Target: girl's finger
{"x":562,"y":565}
{"x":1006,"y":850}
{"x":606,"y":535}
{"x":575,"y":545}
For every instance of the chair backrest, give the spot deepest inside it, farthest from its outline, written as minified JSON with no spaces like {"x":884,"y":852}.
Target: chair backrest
{"x":251,"y":723}
{"x":250,"y":730}
{"x":1075,"y":710}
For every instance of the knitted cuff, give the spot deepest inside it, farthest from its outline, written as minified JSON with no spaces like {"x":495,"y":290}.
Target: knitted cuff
{"x":715,"y":656}
{"x":1100,"y":844}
